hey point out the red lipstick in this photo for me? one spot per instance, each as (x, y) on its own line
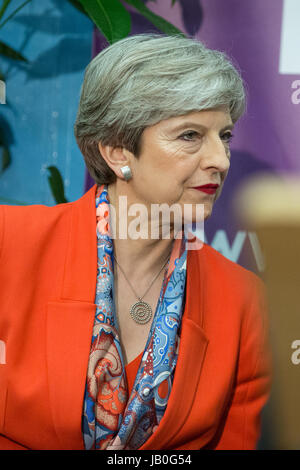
(208, 188)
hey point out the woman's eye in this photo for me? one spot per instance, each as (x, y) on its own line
(188, 136)
(227, 137)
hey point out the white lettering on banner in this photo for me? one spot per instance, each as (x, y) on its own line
(257, 252)
(295, 357)
(221, 243)
(2, 92)
(289, 62)
(296, 94)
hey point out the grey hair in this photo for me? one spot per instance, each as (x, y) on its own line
(146, 78)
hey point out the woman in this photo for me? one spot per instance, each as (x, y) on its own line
(135, 342)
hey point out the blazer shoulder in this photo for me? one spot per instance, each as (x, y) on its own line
(30, 226)
(39, 223)
(229, 270)
(31, 216)
(41, 214)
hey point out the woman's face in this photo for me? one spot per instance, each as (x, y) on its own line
(179, 154)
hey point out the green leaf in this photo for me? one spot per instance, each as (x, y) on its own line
(5, 159)
(173, 2)
(56, 185)
(110, 16)
(5, 4)
(77, 4)
(12, 201)
(162, 24)
(10, 52)
(14, 12)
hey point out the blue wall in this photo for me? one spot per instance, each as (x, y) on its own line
(42, 99)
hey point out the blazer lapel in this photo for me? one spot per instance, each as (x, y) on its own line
(70, 321)
(69, 333)
(192, 351)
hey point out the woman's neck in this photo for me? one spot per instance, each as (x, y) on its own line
(141, 257)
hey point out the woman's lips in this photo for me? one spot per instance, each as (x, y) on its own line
(207, 189)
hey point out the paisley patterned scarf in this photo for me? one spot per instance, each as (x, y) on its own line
(111, 419)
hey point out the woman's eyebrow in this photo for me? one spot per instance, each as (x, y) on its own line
(200, 126)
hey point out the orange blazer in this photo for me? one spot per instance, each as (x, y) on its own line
(48, 266)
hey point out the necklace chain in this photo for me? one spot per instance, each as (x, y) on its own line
(140, 298)
(141, 311)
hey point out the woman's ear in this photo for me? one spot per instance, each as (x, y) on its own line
(115, 157)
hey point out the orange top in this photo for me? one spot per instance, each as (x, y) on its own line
(131, 371)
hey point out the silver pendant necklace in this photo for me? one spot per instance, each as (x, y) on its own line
(141, 311)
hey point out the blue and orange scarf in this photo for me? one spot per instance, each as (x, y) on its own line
(111, 419)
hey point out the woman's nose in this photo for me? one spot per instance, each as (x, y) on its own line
(215, 154)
